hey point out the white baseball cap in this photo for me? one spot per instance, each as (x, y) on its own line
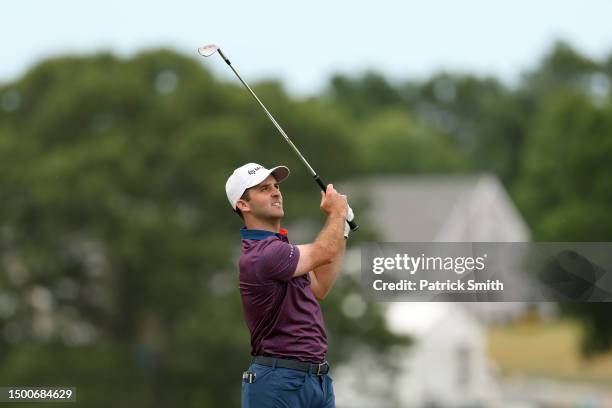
(249, 175)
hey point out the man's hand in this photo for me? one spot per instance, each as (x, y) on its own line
(334, 203)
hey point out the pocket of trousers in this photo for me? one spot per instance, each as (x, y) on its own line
(261, 371)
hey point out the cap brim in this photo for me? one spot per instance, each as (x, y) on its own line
(280, 173)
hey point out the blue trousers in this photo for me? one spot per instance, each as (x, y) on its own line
(275, 387)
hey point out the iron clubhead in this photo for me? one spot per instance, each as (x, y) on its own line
(207, 50)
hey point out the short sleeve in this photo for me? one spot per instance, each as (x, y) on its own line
(277, 261)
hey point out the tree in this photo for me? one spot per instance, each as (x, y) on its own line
(565, 188)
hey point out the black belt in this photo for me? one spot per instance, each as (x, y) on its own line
(313, 368)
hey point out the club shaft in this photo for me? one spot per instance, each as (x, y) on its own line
(280, 129)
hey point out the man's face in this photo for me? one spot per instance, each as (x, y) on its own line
(265, 200)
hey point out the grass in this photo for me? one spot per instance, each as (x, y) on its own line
(546, 350)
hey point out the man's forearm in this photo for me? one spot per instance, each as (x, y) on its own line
(331, 238)
(326, 274)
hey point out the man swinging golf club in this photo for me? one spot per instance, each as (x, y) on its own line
(280, 286)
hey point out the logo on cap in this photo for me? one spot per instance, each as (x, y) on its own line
(253, 171)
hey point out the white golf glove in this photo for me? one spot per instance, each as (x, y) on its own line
(349, 217)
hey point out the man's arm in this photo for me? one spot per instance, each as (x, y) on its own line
(322, 279)
(329, 244)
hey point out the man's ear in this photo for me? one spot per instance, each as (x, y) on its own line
(243, 206)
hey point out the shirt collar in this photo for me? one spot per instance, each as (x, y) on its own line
(261, 234)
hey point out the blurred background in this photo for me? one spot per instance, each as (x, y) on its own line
(469, 121)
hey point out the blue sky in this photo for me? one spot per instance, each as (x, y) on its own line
(304, 43)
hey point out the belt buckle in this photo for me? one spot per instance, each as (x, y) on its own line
(319, 367)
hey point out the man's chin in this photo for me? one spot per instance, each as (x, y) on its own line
(277, 212)
(273, 215)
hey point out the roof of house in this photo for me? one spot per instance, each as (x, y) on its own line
(417, 208)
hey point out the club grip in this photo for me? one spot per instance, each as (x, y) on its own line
(320, 183)
(352, 224)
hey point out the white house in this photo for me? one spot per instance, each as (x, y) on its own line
(447, 366)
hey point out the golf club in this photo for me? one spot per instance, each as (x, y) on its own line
(207, 51)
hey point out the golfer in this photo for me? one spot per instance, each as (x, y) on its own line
(281, 285)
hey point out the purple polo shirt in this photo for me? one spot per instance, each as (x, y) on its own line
(281, 312)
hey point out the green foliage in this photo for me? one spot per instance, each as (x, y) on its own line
(391, 140)
(481, 120)
(361, 96)
(565, 68)
(565, 183)
(567, 156)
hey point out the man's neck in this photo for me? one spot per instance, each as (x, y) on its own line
(273, 226)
